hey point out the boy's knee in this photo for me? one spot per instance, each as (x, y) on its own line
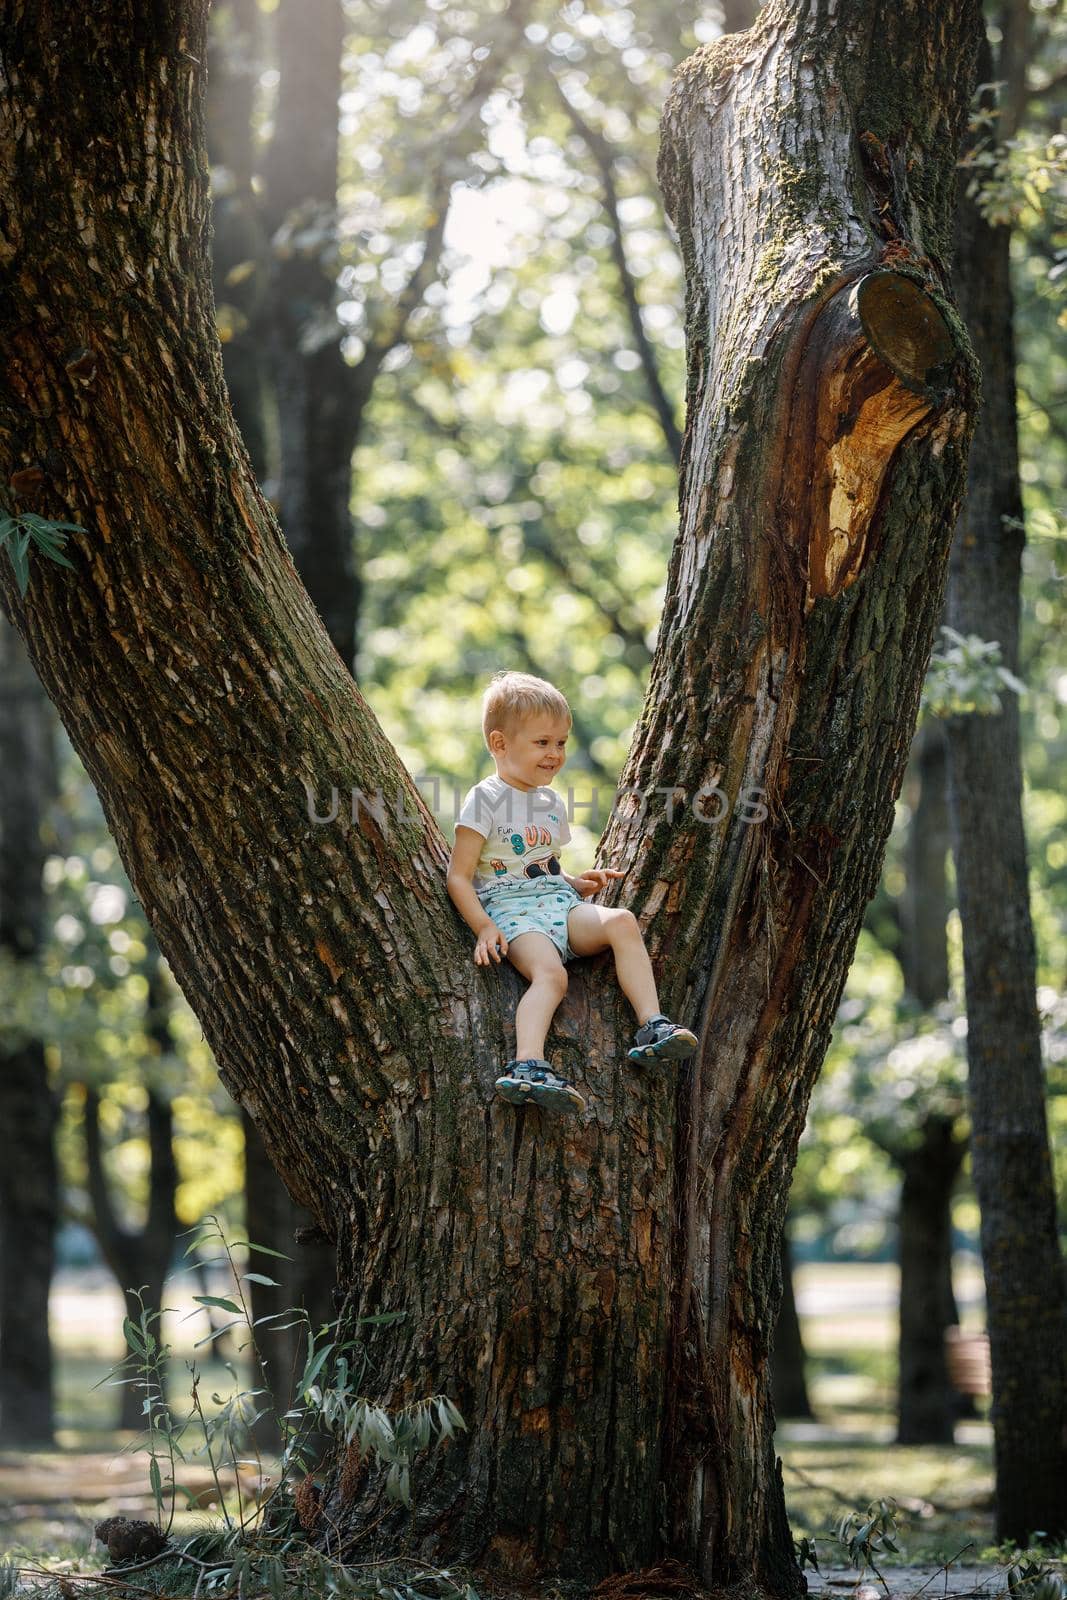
(625, 925)
(554, 978)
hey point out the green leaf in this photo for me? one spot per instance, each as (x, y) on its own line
(17, 552)
(258, 1277)
(157, 1485)
(263, 1249)
(216, 1300)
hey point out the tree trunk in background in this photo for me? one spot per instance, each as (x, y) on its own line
(240, 250)
(306, 1277)
(599, 1296)
(927, 1404)
(139, 1258)
(317, 419)
(927, 1401)
(738, 14)
(29, 1184)
(789, 1388)
(924, 914)
(1026, 1302)
(239, 242)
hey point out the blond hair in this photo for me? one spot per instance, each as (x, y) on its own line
(513, 696)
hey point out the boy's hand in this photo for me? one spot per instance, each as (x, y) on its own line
(594, 880)
(491, 945)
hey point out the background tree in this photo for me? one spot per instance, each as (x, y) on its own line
(1026, 1292)
(29, 1191)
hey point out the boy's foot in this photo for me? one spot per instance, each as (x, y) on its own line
(533, 1080)
(660, 1039)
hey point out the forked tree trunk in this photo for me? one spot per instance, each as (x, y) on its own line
(598, 1298)
(1026, 1294)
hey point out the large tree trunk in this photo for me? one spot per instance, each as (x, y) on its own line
(598, 1298)
(1026, 1301)
(29, 1182)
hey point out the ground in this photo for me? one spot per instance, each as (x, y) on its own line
(50, 1501)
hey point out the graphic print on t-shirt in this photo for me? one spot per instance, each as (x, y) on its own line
(524, 831)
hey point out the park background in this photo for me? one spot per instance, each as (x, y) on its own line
(507, 337)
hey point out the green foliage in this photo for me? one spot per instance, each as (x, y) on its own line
(1031, 1578)
(329, 1391)
(863, 1535)
(807, 1554)
(966, 676)
(26, 529)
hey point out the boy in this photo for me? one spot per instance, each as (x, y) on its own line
(505, 880)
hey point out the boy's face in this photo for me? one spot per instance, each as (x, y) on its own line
(533, 752)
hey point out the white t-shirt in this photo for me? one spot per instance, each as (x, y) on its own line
(524, 831)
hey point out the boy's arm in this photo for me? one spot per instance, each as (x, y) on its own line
(592, 880)
(460, 885)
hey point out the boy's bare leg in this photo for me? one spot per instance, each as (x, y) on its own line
(537, 959)
(591, 929)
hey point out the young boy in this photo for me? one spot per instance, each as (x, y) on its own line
(505, 879)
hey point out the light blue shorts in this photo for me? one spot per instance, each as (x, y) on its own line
(539, 906)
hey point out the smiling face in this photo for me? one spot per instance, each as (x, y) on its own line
(530, 755)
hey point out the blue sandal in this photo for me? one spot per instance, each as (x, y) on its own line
(660, 1039)
(534, 1080)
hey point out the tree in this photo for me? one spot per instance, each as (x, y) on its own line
(29, 1183)
(1026, 1291)
(597, 1299)
(140, 1258)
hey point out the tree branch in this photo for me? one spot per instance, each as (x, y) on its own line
(604, 157)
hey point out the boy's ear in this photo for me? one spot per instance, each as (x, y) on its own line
(497, 742)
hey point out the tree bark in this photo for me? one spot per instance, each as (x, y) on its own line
(1026, 1298)
(29, 1181)
(598, 1298)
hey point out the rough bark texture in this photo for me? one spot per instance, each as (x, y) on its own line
(927, 1402)
(1026, 1301)
(598, 1298)
(29, 1191)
